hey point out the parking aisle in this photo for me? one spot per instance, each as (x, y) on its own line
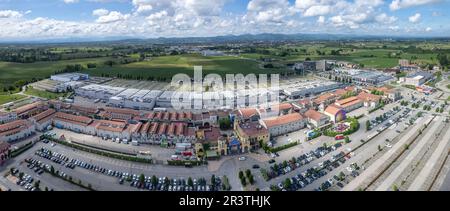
(375, 167)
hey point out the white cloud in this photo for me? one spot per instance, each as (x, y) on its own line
(100, 12)
(401, 4)
(415, 18)
(111, 17)
(71, 1)
(317, 10)
(428, 29)
(321, 19)
(10, 14)
(268, 11)
(385, 19)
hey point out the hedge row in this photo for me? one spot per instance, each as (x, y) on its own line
(281, 148)
(103, 153)
(22, 149)
(185, 162)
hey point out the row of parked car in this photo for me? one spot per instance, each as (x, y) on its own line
(55, 157)
(149, 183)
(312, 174)
(304, 159)
(25, 181)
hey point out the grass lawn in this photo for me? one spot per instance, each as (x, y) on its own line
(43, 94)
(10, 98)
(11, 72)
(167, 66)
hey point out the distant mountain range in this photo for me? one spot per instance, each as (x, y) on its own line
(228, 38)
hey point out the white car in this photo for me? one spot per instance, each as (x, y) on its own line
(242, 158)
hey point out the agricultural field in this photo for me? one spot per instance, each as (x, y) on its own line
(11, 72)
(43, 94)
(165, 67)
(10, 98)
(161, 64)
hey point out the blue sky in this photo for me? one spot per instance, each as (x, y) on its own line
(44, 19)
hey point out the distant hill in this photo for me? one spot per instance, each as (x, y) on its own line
(227, 38)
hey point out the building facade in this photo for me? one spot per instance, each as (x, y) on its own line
(284, 124)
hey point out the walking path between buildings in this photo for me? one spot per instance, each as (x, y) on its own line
(376, 166)
(426, 171)
(424, 141)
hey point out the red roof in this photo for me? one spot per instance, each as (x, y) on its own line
(162, 129)
(368, 97)
(282, 120)
(154, 128)
(333, 110)
(81, 120)
(44, 115)
(28, 107)
(313, 114)
(14, 127)
(252, 129)
(113, 126)
(247, 113)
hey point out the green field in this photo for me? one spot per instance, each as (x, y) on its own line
(11, 72)
(43, 94)
(10, 98)
(167, 66)
(157, 67)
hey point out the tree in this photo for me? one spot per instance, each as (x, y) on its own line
(213, 179)
(248, 173)
(443, 59)
(347, 140)
(243, 182)
(225, 123)
(285, 164)
(241, 174)
(154, 180)
(251, 180)
(37, 183)
(190, 182)
(142, 178)
(287, 183)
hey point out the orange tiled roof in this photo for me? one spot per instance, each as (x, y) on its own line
(282, 120)
(313, 114)
(248, 112)
(333, 109)
(81, 120)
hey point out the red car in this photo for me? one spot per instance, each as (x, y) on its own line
(339, 137)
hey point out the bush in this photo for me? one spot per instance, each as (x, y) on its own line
(281, 148)
(185, 162)
(354, 126)
(103, 153)
(22, 149)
